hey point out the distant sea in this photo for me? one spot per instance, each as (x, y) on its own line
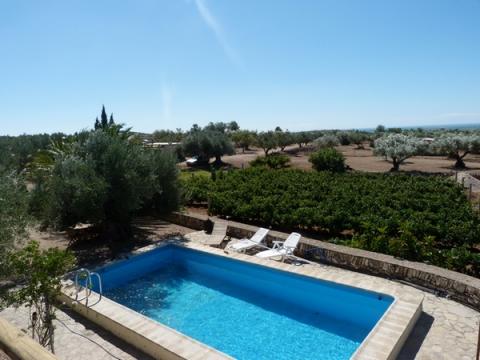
(433, 127)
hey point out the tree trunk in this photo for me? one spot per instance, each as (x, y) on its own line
(460, 164)
(396, 165)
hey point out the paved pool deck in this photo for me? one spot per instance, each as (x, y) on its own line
(445, 329)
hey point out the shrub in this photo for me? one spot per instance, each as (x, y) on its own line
(344, 138)
(39, 272)
(273, 161)
(420, 218)
(328, 159)
(195, 187)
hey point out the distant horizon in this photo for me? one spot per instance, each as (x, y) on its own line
(464, 126)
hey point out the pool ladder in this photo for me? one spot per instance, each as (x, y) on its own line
(87, 275)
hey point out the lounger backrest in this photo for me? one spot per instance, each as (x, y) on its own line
(219, 228)
(259, 235)
(292, 240)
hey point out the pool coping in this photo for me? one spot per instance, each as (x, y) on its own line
(160, 341)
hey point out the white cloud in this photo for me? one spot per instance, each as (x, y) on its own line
(214, 25)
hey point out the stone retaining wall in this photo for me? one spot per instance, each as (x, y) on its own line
(462, 288)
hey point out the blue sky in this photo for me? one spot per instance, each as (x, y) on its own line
(299, 64)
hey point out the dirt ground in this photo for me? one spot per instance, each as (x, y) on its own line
(147, 230)
(361, 160)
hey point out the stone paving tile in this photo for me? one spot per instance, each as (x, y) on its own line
(3, 356)
(446, 330)
(89, 342)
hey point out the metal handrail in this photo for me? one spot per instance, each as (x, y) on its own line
(88, 284)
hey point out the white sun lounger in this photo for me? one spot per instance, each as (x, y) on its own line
(281, 249)
(244, 244)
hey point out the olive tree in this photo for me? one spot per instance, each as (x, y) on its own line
(327, 141)
(304, 137)
(104, 181)
(206, 144)
(243, 139)
(266, 141)
(284, 139)
(397, 148)
(457, 146)
(358, 138)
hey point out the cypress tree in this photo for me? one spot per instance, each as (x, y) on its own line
(104, 118)
(111, 122)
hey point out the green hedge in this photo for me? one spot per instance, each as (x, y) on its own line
(422, 218)
(195, 187)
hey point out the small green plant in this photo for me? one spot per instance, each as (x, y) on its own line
(328, 159)
(273, 161)
(38, 272)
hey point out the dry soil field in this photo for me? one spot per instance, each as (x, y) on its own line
(364, 160)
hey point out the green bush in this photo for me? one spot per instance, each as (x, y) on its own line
(328, 159)
(195, 187)
(272, 161)
(420, 218)
(40, 274)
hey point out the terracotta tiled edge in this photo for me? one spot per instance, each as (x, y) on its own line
(159, 341)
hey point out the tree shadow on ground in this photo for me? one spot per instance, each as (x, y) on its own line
(416, 338)
(93, 250)
(105, 335)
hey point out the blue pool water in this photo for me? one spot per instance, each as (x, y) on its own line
(244, 310)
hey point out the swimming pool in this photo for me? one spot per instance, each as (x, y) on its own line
(245, 310)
